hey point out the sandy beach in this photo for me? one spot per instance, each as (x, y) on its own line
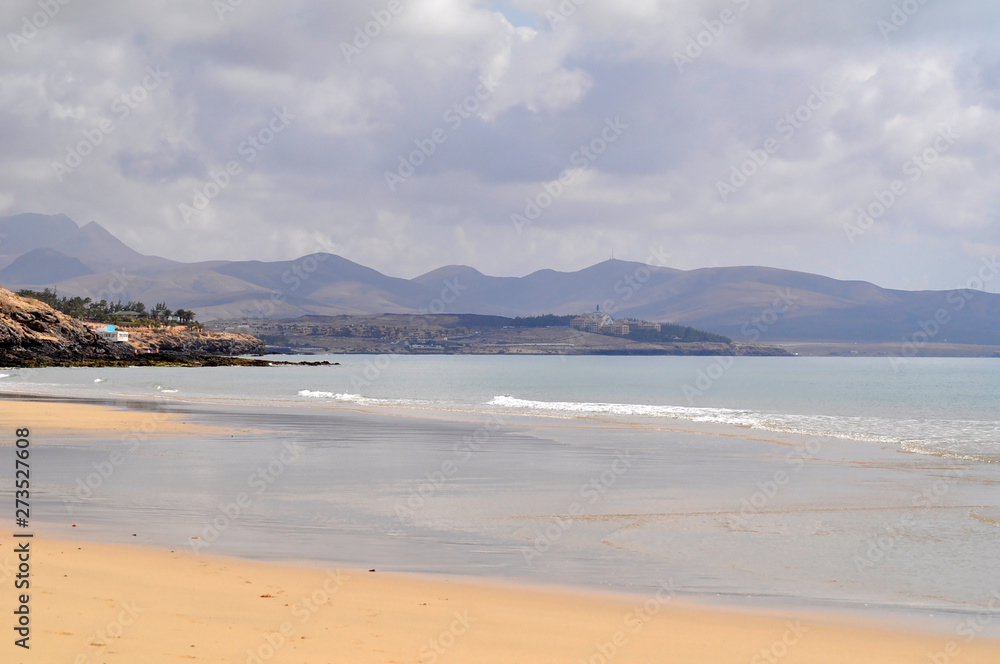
(104, 603)
(57, 417)
(92, 601)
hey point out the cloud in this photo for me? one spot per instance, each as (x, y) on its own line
(369, 83)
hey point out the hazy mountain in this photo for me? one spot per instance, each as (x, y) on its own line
(24, 232)
(43, 267)
(103, 252)
(331, 279)
(745, 303)
(93, 245)
(546, 291)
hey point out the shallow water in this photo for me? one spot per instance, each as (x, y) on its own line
(937, 406)
(778, 518)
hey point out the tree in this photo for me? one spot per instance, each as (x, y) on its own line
(49, 297)
(161, 312)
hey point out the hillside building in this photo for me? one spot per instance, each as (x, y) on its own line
(592, 322)
(112, 333)
(600, 322)
(642, 325)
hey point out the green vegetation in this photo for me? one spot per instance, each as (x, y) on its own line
(545, 320)
(679, 333)
(156, 361)
(668, 332)
(110, 312)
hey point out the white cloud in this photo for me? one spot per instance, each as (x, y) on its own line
(324, 177)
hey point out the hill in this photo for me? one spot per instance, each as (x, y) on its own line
(32, 334)
(749, 304)
(43, 266)
(473, 334)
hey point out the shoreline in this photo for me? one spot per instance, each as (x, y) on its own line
(190, 422)
(103, 602)
(888, 617)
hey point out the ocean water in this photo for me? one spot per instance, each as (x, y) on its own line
(945, 407)
(837, 481)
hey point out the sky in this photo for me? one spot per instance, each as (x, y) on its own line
(858, 139)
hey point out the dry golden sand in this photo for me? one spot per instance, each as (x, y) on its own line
(60, 418)
(114, 603)
(93, 603)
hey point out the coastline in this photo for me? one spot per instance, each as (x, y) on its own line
(196, 425)
(63, 416)
(99, 602)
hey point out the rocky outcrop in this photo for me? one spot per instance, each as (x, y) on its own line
(189, 341)
(32, 332)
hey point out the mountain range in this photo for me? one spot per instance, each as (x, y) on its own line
(745, 303)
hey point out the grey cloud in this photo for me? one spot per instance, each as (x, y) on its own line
(325, 175)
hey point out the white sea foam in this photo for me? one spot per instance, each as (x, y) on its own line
(330, 395)
(967, 439)
(98, 380)
(359, 399)
(3, 375)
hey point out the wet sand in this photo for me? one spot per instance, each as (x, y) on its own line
(114, 603)
(60, 417)
(669, 514)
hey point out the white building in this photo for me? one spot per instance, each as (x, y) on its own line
(592, 322)
(600, 322)
(111, 333)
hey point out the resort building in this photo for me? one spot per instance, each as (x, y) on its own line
(641, 325)
(111, 333)
(600, 322)
(592, 322)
